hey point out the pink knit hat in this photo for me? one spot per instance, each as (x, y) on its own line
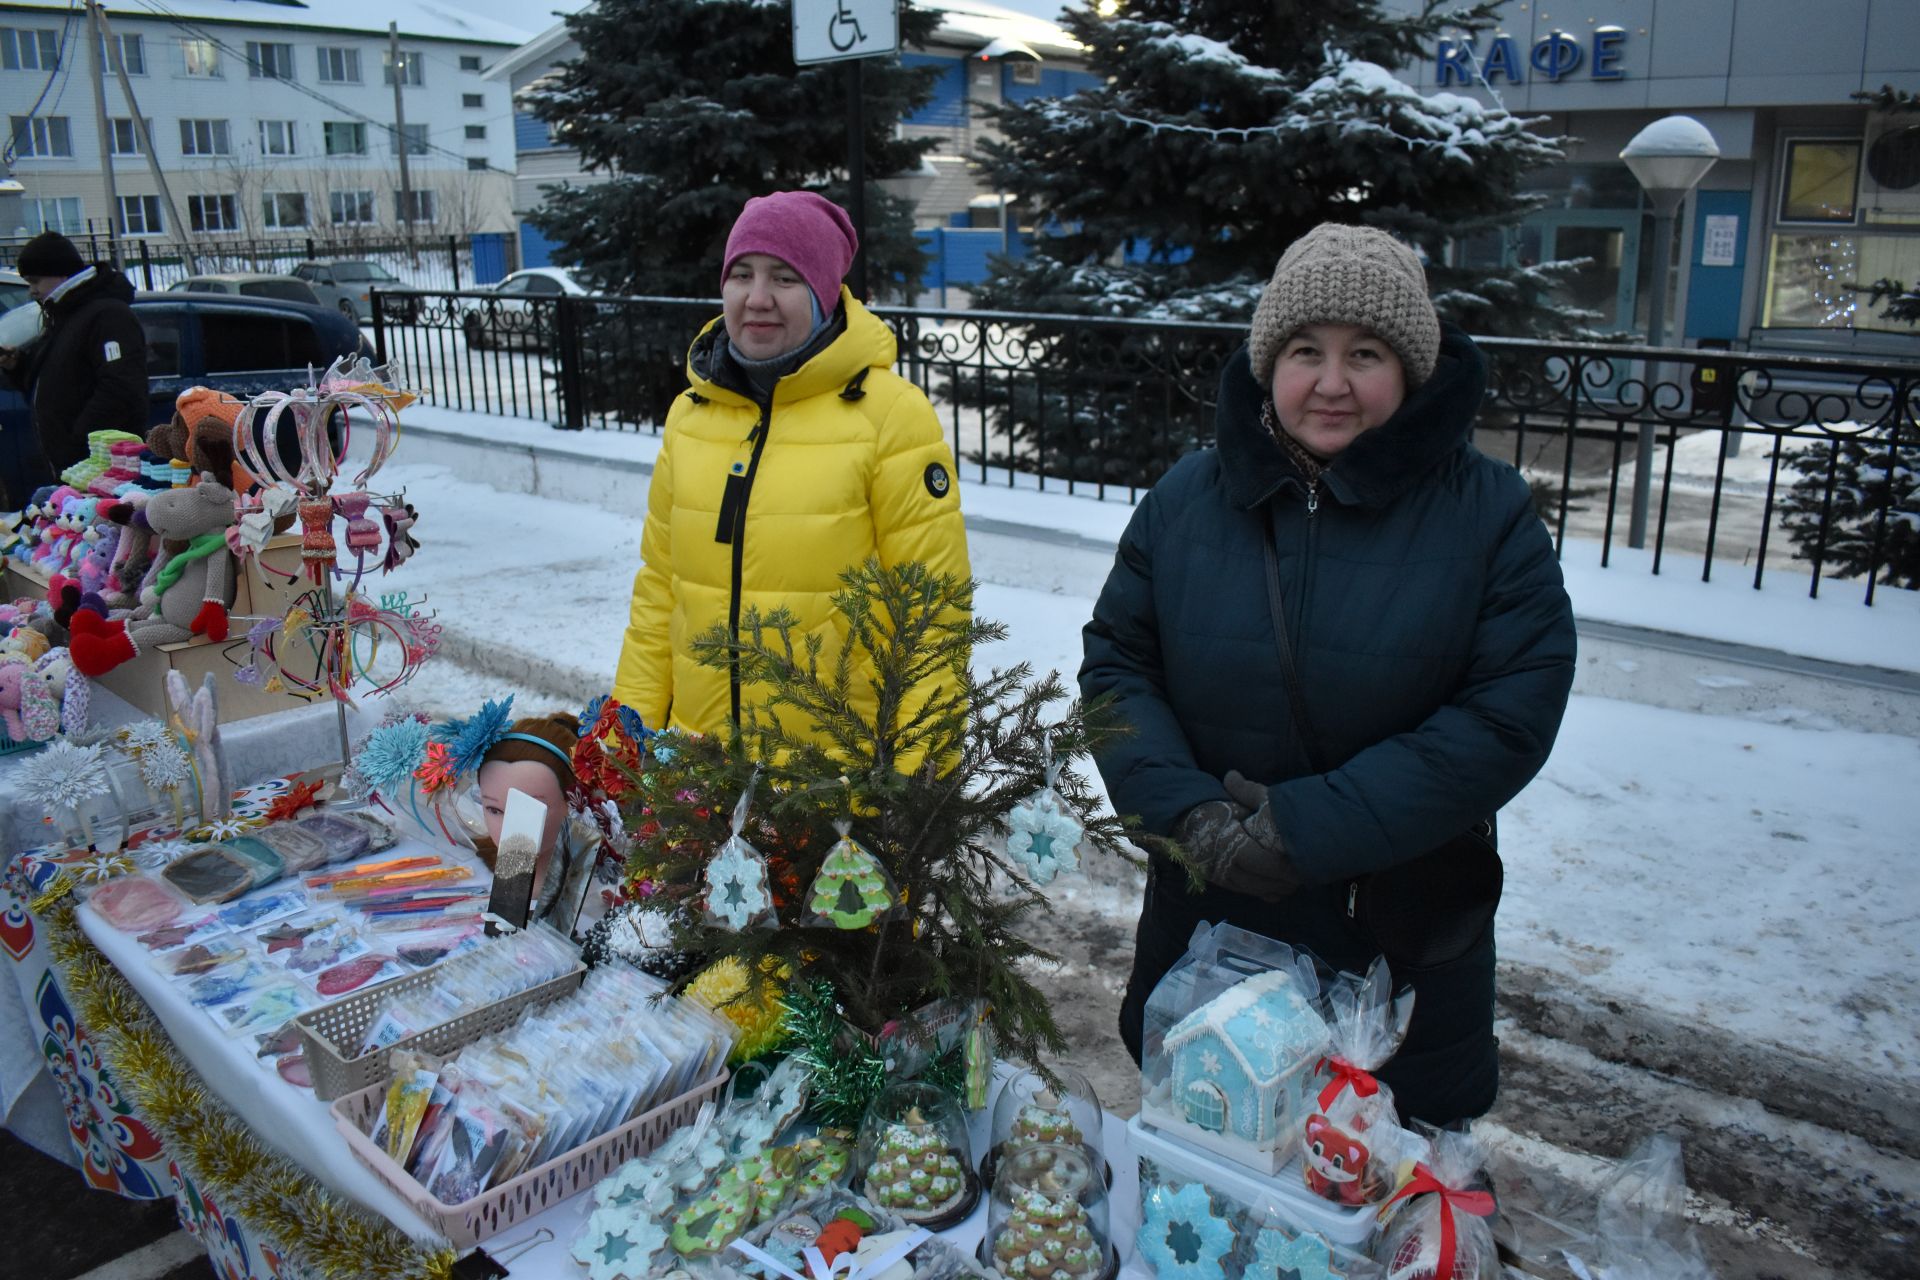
(808, 232)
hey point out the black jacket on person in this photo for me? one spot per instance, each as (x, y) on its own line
(88, 371)
(1435, 648)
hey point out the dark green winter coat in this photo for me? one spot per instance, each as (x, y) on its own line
(1435, 647)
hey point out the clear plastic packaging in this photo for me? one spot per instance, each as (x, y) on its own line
(1444, 1230)
(1048, 1218)
(1029, 1112)
(1351, 1137)
(1231, 1035)
(1043, 835)
(914, 1156)
(852, 890)
(136, 904)
(212, 873)
(738, 896)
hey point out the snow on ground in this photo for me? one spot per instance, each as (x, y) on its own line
(1722, 870)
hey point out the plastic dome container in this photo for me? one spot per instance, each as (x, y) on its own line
(1048, 1218)
(1029, 1112)
(914, 1158)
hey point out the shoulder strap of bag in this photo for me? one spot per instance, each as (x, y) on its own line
(1276, 605)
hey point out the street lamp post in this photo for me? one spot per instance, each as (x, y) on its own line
(1669, 157)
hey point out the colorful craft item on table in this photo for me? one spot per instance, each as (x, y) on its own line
(98, 868)
(1042, 833)
(297, 850)
(294, 1070)
(328, 878)
(288, 936)
(135, 904)
(714, 1220)
(1279, 1256)
(210, 874)
(354, 974)
(289, 805)
(277, 1043)
(224, 986)
(618, 1245)
(171, 937)
(1234, 1056)
(364, 886)
(468, 740)
(202, 958)
(852, 890)
(255, 910)
(269, 1006)
(1180, 1237)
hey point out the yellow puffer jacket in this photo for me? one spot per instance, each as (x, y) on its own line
(759, 508)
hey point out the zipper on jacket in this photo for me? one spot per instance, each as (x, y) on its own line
(736, 496)
(1306, 572)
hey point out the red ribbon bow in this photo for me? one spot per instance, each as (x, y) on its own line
(1478, 1203)
(1345, 1076)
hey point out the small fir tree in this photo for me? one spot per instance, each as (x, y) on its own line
(1855, 507)
(926, 781)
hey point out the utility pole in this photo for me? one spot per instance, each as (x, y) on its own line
(142, 132)
(106, 132)
(407, 209)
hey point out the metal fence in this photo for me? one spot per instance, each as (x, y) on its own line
(425, 262)
(1715, 457)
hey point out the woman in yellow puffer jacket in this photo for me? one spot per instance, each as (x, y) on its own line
(795, 454)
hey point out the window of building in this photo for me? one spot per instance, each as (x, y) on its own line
(126, 136)
(1023, 71)
(473, 101)
(205, 138)
(283, 210)
(55, 213)
(1207, 1106)
(423, 207)
(199, 57)
(1810, 275)
(412, 68)
(133, 53)
(477, 163)
(213, 213)
(42, 137)
(277, 138)
(469, 62)
(415, 136)
(140, 216)
(339, 66)
(29, 48)
(1819, 180)
(269, 61)
(476, 132)
(345, 137)
(350, 208)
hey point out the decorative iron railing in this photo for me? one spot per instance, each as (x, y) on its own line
(1718, 455)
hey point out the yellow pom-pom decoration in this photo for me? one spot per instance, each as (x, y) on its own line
(724, 989)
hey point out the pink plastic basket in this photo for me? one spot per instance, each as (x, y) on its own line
(533, 1192)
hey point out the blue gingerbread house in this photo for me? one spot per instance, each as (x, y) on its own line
(1237, 1058)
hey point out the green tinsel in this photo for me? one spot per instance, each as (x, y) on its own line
(847, 1072)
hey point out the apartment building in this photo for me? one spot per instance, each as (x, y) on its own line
(268, 119)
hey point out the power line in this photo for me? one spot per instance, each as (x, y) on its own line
(179, 21)
(59, 65)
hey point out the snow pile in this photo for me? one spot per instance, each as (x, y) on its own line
(1197, 48)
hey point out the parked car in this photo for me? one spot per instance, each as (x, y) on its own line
(13, 289)
(520, 312)
(250, 284)
(348, 284)
(237, 344)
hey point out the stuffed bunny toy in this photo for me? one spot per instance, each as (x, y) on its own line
(196, 715)
(27, 710)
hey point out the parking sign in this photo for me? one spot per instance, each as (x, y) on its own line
(836, 30)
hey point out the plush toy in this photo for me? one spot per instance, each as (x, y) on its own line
(196, 717)
(200, 434)
(27, 710)
(68, 688)
(189, 592)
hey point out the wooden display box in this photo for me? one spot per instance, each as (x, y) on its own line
(142, 681)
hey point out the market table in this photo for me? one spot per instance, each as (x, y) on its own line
(301, 1127)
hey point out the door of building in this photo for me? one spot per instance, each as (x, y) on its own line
(1610, 287)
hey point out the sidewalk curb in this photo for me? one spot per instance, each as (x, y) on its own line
(1828, 1093)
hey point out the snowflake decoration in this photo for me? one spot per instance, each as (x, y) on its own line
(154, 854)
(102, 867)
(1042, 836)
(164, 766)
(618, 1245)
(1210, 1062)
(146, 734)
(1180, 1236)
(1276, 1256)
(64, 776)
(737, 885)
(226, 828)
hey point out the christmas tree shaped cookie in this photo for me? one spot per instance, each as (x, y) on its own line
(852, 890)
(914, 1172)
(1036, 1125)
(1046, 1239)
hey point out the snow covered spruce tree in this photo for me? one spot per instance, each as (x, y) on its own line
(1855, 506)
(1222, 132)
(690, 107)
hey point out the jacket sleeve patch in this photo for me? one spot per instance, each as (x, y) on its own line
(111, 352)
(938, 482)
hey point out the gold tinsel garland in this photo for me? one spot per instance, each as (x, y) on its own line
(214, 1147)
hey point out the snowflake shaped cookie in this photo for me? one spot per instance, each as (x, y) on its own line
(1042, 835)
(737, 885)
(1277, 1256)
(1181, 1237)
(618, 1244)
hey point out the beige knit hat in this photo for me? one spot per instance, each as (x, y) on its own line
(1348, 275)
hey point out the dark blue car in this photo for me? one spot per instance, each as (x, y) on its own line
(242, 346)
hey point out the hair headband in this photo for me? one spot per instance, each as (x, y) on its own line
(527, 737)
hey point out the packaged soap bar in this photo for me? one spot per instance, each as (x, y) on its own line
(136, 904)
(211, 874)
(299, 849)
(251, 849)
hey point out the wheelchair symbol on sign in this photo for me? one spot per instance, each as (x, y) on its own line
(843, 29)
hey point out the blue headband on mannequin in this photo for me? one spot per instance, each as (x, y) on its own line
(527, 737)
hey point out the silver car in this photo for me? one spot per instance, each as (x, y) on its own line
(250, 284)
(348, 284)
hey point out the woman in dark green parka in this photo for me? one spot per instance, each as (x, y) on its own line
(1431, 636)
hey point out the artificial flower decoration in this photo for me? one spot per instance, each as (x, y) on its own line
(290, 804)
(139, 736)
(389, 755)
(469, 740)
(164, 766)
(227, 828)
(436, 771)
(64, 776)
(1180, 1236)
